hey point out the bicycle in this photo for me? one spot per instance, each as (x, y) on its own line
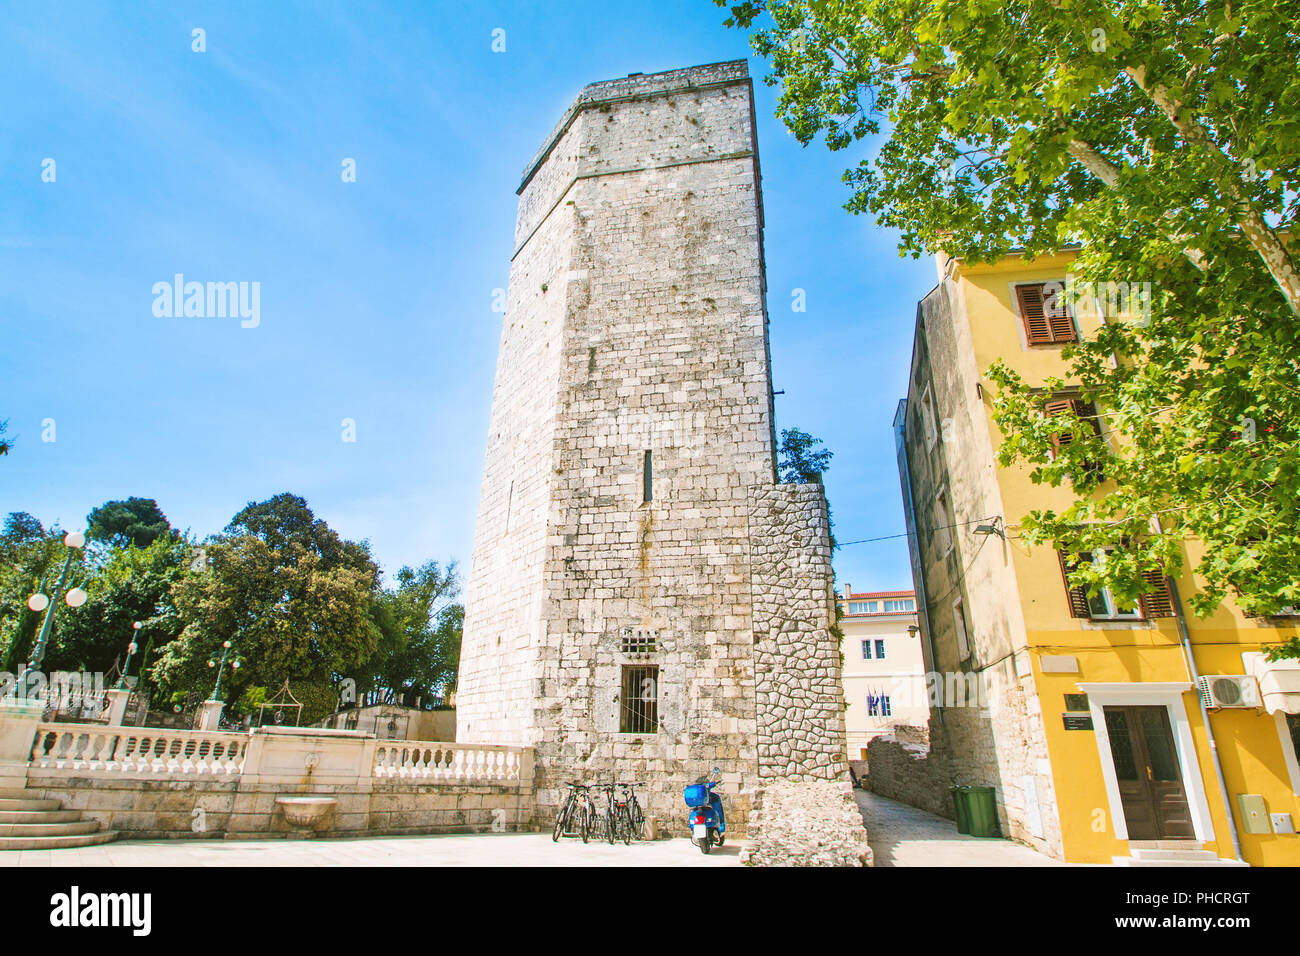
(576, 809)
(635, 818)
(618, 824)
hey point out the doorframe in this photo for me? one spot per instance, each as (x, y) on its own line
(1168, 695)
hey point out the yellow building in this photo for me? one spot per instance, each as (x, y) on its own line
(1092, 730)
(884, 671)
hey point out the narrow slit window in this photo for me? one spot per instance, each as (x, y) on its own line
(510, 500)
(647, 479)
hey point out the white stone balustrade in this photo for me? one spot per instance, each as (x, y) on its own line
(169, 753)
(464, 763)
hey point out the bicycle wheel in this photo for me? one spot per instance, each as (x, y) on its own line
(625, 827)
(559, 826)
(611, 826)
(583, 827)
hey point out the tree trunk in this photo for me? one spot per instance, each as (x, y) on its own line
(1258, 233)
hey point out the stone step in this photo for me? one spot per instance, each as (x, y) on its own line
(1129, 861)
(49, 828)
(39, 816)
(27, 803)
(15, 793)
(56, 842)
(1189, 855)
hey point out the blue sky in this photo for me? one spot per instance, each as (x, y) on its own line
(375, 295)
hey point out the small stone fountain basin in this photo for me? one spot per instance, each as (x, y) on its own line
(306, 812)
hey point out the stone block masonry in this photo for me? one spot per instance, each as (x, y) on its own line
(625, 585)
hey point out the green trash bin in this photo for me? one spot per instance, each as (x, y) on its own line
(961, 804)
(982, 812)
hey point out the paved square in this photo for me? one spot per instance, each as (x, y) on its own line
(475, 849)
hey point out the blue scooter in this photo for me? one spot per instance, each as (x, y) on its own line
(707, 821)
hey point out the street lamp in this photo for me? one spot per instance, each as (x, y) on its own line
(130, 652)
(75, 597)
(234, 665)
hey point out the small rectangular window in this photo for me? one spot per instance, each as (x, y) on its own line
(878, 705)
(647, 479)
(943, 523)
(959, 625)
(866, 650)
(640, 700)
(880, 650)
(1045, 313)
(929, 421)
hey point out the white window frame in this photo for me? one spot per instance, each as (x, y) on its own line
(929, 419)
(1288, 751)
(1112, 608)
(947, 540)
(962, 629)
(880, 648)
(866, 649)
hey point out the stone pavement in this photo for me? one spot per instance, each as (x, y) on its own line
(476, 849)
(900, 835)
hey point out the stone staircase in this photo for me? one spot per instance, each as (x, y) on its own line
(31, 823)
(1171, 853)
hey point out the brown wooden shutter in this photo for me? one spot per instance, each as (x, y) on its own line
(1077, 596)
(1046, 317)
(1058, 315)
(1038, 330)
(1052, 410)
(1087, 413)
(1160, 603)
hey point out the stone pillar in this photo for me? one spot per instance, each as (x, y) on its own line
(18, 720)
(210, 714)
(117, 700)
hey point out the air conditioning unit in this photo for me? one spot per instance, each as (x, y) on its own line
(1229, 690)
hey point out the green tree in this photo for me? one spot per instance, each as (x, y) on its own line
(800, 461)
(292, 597)
(137, 521)
(29, 563)
(418, 653)
(1162, 138)
(128, 584)
(21, 527)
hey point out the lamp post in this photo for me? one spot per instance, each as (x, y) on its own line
(234, 665)
(130, 652)
(75, 597)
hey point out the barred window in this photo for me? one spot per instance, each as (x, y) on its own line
(639, 713)
(639, 640)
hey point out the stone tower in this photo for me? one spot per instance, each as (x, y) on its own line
(645, 602)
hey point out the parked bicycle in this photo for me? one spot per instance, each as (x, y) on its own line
(635, 818)
(577, 815)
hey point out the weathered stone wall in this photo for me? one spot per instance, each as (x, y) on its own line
(911, 774)
(799, 692)
(214, 808)
(803, 813)
(807, 823)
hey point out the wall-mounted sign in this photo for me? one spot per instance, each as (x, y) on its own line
(1077, 721)
(1076, 703)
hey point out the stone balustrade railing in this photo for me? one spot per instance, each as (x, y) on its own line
(138, 750)
(467, 763)
(75, 748)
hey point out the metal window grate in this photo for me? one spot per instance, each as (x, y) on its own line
(640, 700)
(639, 640)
